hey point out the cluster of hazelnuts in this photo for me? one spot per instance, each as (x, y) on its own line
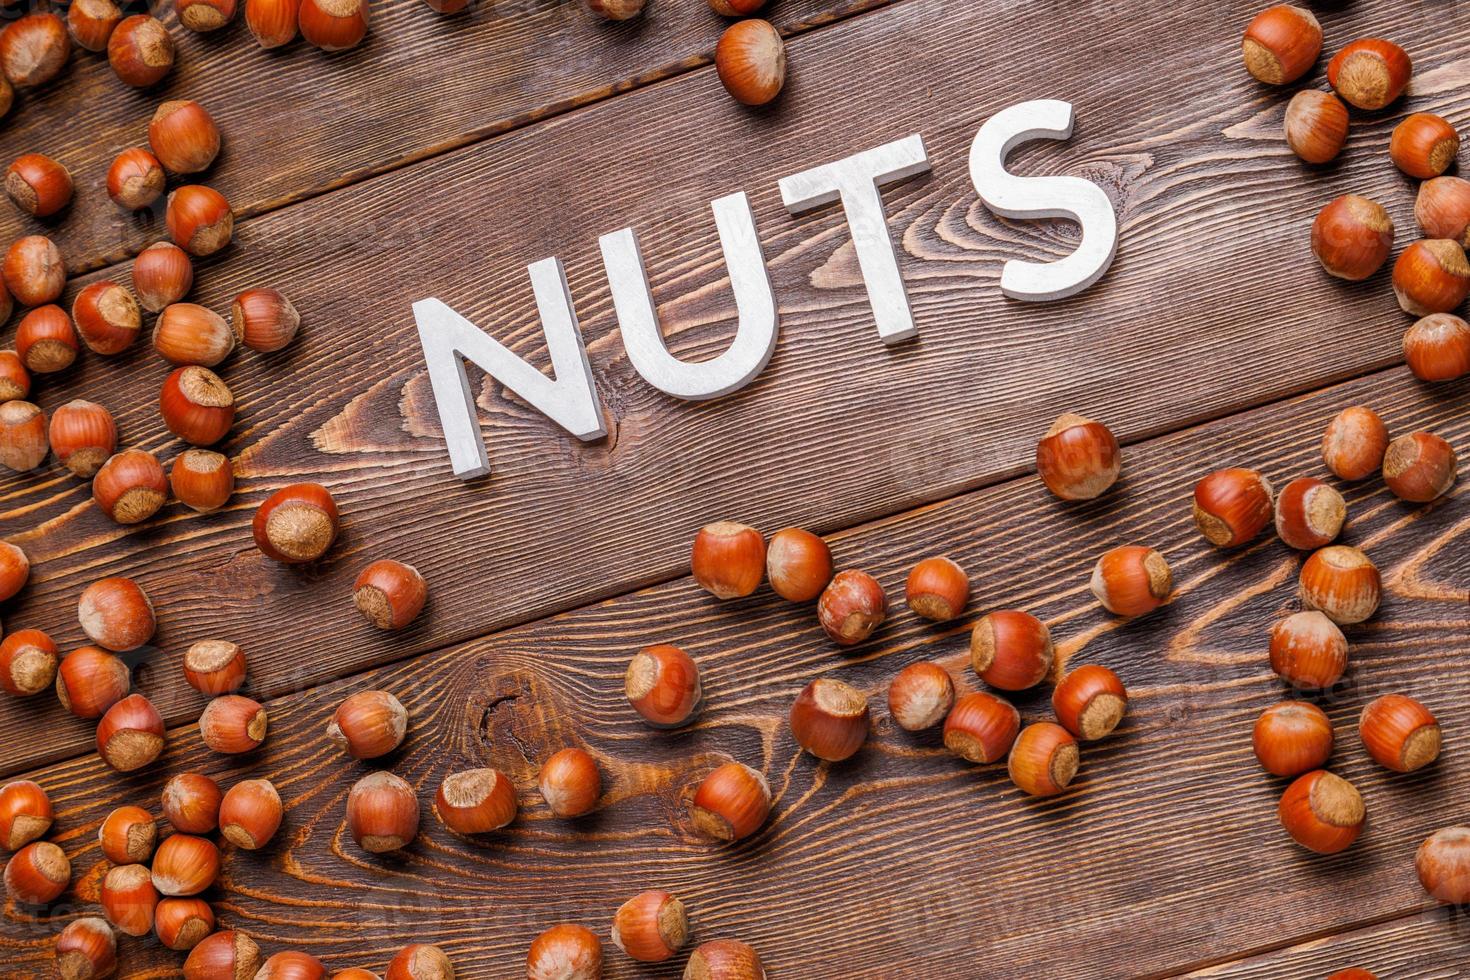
(35, 48)
(195, 403)
(1010, 650)
(1352, 235)
(750, 57)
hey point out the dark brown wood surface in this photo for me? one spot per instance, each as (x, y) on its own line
(1215, 304)
(1165, 857)
(903, 861)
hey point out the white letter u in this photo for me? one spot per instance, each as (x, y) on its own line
(755, 338)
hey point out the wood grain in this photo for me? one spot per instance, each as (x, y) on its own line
(1189, 324)
(297, 121)
(1429, 945)
(903, 862)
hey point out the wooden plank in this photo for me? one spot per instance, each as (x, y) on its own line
(1427, 946)
(297, 121)
(903, 862)
(839, 429)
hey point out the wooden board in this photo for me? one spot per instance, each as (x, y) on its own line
(838, 429)
(902, 862)
(297, 121)
(1429, 945)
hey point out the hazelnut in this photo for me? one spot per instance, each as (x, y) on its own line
(1424, 145)
(1354, 443)
(830, 719)
(1281, 44)
(565, 952)
(1090, 701)
(129, 899)
(1043, 759)
(1316, 125)
(851, 607)
(1399, 733)
(937, 589)
(273, 22)
(264, 319)
(34, 271)
(86, 950)
(130, 735)
(1309, 514)
(1341, 582)
(1322, 812)
(182, 923)
(34, 49)
(1419, 467)
(476, 801)
(116, 614)
(189, 334)
(46, 341)
(182, 132)
(1437, 347)
(224, 955)
(199, 219)
(390, 594)
(382, 813)
(1370, 73)
(1292, 737)
(15, 569)
(798, 564)
(90, 680)
(130, 487)
(92, 22)
(250, 813)
(215, 667)
(1308, 650)
(38, 185)
(202, 480)
(724, 959)
(662, 685)
(1443, 209)
(23, 444)
(333, 25)
(368, 725)
(296, 524)
(419, 962)
(1351, 237)
(37, 874)
(196, 405)
(25, 813)
(1132, 580)
(731, 803)
(206, 15)
(571, 783)
(650, 927)
(141, 51)
(127, 835)
(728, 559)
(191, 803)
(1431, 276)
(981, 728)
(292, 965)
(920, 696)
(1011, 650)
(185, 865)
(136, 178)
(15, 380)
(27, 663)
(616, 9)
(107, 317)
(162, 275)
(233, 724)
(1078, 459)
(1443, 864)
(750, 59)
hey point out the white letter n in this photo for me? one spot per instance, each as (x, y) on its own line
(569, 399)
